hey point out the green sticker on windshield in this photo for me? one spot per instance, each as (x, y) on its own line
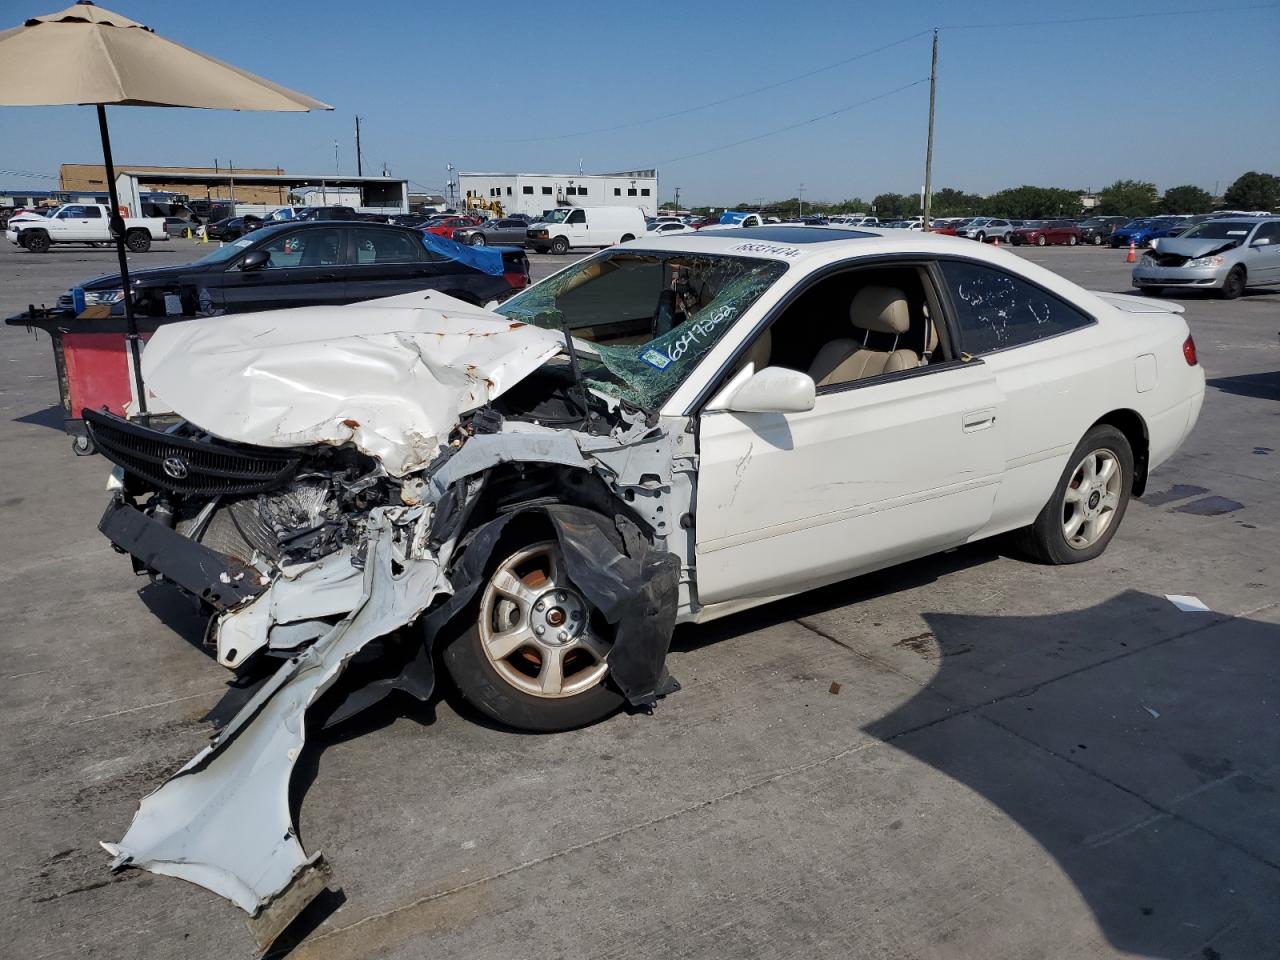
(653, 358)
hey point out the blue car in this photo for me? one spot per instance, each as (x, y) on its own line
(1142, 232)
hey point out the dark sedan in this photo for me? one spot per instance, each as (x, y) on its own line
(307, 264)
(508, 230)
(233, 228)
(1098, 230)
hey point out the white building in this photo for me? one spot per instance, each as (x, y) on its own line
(532, 193)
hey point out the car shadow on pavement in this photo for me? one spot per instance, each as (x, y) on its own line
(1136, 744)
(52, 417)
(1262, 386)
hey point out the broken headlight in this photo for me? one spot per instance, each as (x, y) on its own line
(1204, 262)
(103, 296)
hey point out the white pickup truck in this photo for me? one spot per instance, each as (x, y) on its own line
(83, 223)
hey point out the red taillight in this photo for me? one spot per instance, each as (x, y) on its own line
(1189, 350)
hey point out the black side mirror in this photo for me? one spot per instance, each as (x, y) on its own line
(255, 260)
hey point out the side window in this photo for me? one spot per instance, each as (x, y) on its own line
(996, 310)
(92, 213)
(1269, 231)
(304, 248)
(385, 246)
(577, 216)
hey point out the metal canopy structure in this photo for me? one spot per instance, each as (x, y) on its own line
(381, 192)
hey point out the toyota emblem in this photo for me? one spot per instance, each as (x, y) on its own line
(175, 467)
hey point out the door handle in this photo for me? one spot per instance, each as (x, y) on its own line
(974, 420)
(328, 276)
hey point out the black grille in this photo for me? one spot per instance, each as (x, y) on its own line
(1169, 259)
(194, 467)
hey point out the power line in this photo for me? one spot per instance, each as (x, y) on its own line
(723, 100)
(1123, 16)
(802, 123)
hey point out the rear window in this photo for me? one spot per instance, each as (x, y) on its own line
(996, 310)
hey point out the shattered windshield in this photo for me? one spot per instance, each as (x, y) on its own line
(650, 316)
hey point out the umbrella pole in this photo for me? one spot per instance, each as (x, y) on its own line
(132, 340)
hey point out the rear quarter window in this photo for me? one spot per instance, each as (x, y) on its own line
(996, 310)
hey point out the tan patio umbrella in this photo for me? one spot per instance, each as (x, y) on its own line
(89, 55)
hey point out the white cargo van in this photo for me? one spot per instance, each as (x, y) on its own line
(565, 228)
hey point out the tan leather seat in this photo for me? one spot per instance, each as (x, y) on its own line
(758, 354)
(873, 310)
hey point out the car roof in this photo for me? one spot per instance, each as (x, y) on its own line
(812, 245)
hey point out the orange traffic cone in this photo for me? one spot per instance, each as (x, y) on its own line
(1133, 254)
(996, 241)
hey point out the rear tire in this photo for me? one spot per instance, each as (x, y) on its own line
(509, 673)
(138, 241)
(1087, 505)
(1235, 283)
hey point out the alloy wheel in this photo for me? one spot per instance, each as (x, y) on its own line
(1091, 498)
(537, 630)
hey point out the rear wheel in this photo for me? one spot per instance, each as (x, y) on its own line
(560, 246)
(1089, 502)
(138, 241)
(1235, 283)
(536, 656)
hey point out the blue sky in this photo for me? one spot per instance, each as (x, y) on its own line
(1173, 99)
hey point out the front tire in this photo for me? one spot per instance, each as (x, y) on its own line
(1097, 239)
(1041, 241)
(477, 240)
(36, 242)
(1072, 241)
(535, 657)
(1088, 503)
(560, 246)
(1235, 283)
(980, 237)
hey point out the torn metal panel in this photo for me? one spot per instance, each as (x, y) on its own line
(303, 593)
(395, 389)
(223, 821)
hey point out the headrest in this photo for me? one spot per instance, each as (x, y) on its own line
(880, 310)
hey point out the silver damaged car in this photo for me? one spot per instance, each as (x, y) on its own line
(1225, 255)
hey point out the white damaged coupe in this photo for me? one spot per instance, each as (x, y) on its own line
(671, 430)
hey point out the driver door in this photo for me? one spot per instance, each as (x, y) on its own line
(576, 228)
(306, 269)
(880, 470)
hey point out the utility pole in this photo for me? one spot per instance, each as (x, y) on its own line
(359, 155)
(677, 198)
(336, 168)
(928, 156)
(801, 200)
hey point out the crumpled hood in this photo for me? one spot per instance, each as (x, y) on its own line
(1196, 247)
(391, 376)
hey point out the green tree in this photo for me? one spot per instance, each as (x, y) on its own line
(949, 202)
(668, 205)
(887, 206)
(1032, 203)
(1253, 191)
(1186, 199)
(1127, 198)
